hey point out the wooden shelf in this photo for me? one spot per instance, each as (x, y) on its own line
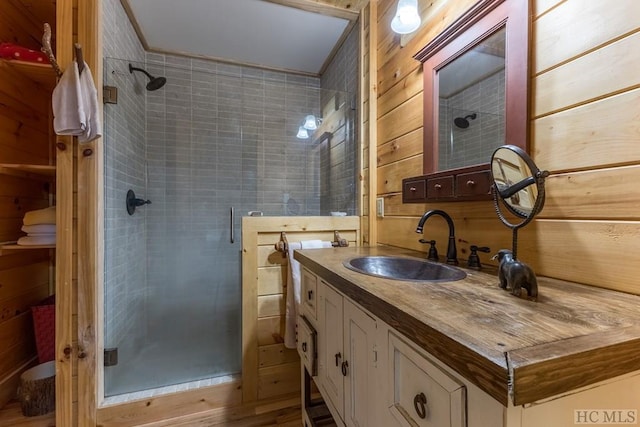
(12, 246)
(39, 73)
(28, 171)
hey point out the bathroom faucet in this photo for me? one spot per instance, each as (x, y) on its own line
(452, 253)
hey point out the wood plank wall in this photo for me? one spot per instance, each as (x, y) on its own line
(269, 369)
(25, 137)
(585, 114)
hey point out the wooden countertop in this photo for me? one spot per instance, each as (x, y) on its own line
(516, 350)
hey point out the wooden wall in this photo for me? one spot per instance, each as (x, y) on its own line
(269, 369)
(25, 138)
(585, 115)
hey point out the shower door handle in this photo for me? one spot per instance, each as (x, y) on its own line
(231, 224)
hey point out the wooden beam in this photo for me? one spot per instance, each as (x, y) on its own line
(321, 8)
(91, 239)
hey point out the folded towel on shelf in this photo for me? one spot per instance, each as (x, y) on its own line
(69, 117)
(37, 240)
(40, 216)
(293, 289)
(89, 96)
(36, 229)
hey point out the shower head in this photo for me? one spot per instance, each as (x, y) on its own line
(155, 83)
(463, 122)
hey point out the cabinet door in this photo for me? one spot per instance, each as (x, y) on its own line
(359, 366)
(332, 352)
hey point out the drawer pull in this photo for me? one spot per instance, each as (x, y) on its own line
(413, 189)
(304, 347)
(338, 356)
(471, 183)
(437, 186)
(345, 366)
(419, 403)
(310, 295)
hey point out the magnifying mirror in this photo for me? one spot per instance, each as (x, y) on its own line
(518, 185)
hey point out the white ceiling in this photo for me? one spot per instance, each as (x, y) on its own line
(254, 32)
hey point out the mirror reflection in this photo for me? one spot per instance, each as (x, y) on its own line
(514, 181)
(471, 104)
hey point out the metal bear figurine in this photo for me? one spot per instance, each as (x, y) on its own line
(515, 275)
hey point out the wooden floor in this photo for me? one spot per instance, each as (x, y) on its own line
(11, 416)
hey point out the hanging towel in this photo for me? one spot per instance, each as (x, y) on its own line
(293, 289)
(40, 216)
(36, 229)
(89, 96)
(69, 116)
(37, 240)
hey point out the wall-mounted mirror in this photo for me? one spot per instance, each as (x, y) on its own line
(476, 87)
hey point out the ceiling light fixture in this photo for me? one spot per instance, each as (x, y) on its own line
(302, 133)
(407, 18)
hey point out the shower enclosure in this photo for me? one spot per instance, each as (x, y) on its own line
(213, 143)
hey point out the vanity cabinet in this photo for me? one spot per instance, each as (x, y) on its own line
(406, 357)
(346, 341)
(469, 184)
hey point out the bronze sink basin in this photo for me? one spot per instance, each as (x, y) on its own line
(401, 268)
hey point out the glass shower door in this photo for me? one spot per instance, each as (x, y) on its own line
(172, 282)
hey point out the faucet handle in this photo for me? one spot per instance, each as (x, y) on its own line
(474, 259)
(433, 252)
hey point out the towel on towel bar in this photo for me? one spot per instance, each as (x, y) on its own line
(293, 288)
(40, 216)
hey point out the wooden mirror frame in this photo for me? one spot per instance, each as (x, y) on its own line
(484, 18)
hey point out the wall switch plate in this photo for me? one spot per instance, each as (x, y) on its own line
(380, 207)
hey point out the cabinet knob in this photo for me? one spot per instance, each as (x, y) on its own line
(413, 189)
(310, 295)
(419, 404)
(471, 183)
(338, 356)
(304, 346)
(345, 366)
(437, 186)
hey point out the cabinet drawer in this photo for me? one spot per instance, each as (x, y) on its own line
(414, 190)
(309, 294)
(307, 345)
(474, 184)
(420, 393)
(440, 188)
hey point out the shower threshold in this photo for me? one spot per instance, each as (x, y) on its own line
(175, 388)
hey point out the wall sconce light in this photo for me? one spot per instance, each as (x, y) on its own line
(311, 123)
(302, 133)
(407, 18)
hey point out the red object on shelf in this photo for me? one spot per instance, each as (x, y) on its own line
(44, 324)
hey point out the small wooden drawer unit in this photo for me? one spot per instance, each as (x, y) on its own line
(419, 393)
(466, 184)
(309, 296)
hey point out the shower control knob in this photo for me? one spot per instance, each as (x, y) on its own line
(140, 202)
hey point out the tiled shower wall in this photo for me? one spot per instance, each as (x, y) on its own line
(125, 236)
(338, 157)
(485, 133)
